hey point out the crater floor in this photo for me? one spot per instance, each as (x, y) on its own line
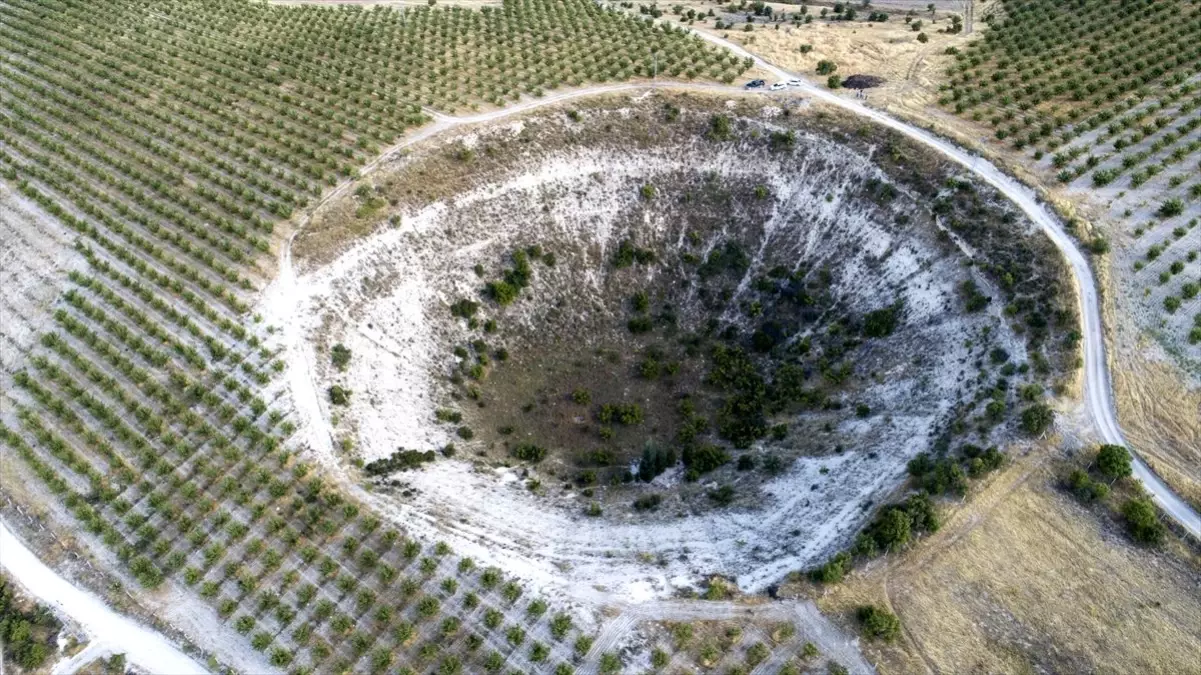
(780, 237)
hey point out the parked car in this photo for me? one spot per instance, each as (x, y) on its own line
(778, 86)
(794, 83)
(755, 84)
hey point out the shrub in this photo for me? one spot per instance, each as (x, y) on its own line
(833, 571)
(1113, 461)
(1170, 208)
(528, 452)
(723, 496)
(339, 395)
(878, 623)
(1086, 489)
(1037, 418)
(1142, 521)
(502, 292)
(719, 128)
(881, 322)
(648, 502)
(704, 458)
(834, 82)
(826, 67)
(398, 461)
(340, 356)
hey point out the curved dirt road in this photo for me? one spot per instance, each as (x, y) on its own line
(1098, 390)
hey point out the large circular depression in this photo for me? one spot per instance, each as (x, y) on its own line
(792, 293)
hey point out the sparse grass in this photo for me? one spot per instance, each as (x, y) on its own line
(1021, 567)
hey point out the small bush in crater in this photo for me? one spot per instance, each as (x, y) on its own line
(581, 396)
(340, 356)
(703, 458)
(648, 502)
(502, 292)
(720, 128)
(648, 192)
(528, 452)
(464, 308)
(626, 413)
(881, 322)
(640, 302)
(640, 324)
(447, 415)
(399, 460)
(339, 395)
(723, 496)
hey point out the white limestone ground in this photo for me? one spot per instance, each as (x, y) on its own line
(387, 297)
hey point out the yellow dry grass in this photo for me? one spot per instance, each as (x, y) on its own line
(891, 50)
(1160, 416)
(1021, 579)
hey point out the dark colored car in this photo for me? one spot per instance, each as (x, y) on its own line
(755, 84)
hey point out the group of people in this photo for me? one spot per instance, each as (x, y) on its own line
(861, 93)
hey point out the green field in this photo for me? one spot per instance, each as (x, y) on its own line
(171, 139)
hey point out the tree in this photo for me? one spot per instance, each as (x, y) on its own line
(1113, 461)
(826, 67)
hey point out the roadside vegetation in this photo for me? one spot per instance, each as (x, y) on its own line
(28, 631)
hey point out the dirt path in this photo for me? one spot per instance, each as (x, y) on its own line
(110, 632)
(1098, 389)
(810, 623)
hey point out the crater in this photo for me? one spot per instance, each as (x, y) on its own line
(650, 340)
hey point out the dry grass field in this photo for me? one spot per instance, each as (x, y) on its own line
(1022, 579)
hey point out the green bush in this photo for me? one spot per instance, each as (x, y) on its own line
(878, 623)
(1142, 521)
(1037, 418)
(340, 356)
(1113, 461)
(339, 395)
(528, 452)
(1085, 488)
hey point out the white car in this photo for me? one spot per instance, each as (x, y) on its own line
(794, 83)
(778, 86)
